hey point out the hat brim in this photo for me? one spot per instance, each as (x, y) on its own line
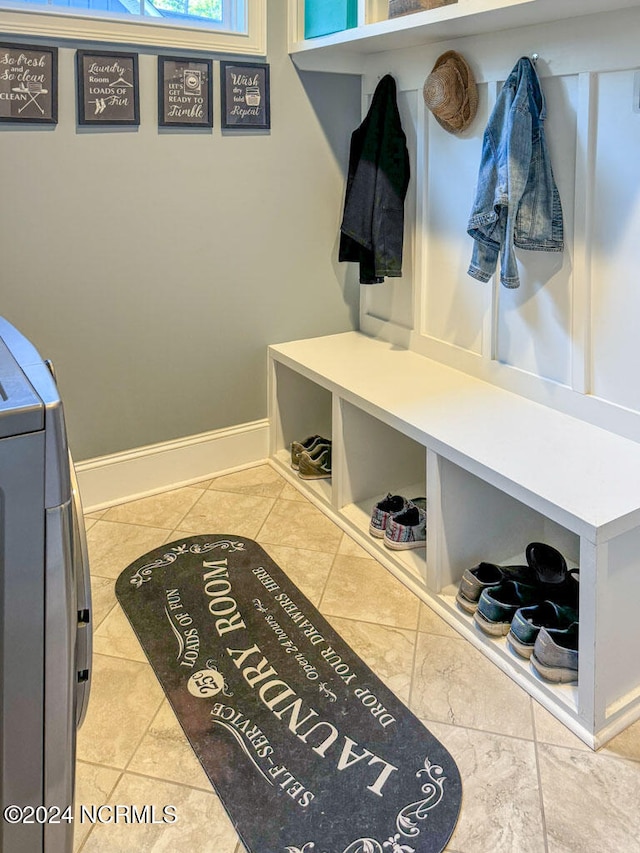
(470, 108)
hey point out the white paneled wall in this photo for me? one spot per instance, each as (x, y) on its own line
(568, 336)
(615, 257)
(451, 314)
(534, 322)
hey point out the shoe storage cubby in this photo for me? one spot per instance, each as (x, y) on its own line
(373, 460)
(304, 408)
(498, 472)
(473, 522)
(480, 523)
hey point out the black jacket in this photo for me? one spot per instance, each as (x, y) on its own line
(373, 221)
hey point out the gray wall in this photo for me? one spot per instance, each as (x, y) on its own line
(155, 267)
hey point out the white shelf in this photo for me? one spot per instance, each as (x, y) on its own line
(498, 471)
(343, 51)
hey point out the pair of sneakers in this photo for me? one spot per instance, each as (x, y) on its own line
(400, 523)
(547, 635)
(311, 457)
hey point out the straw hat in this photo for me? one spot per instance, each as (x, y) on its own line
(450, 92)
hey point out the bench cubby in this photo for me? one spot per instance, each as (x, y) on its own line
(375, 459)
(306, 409)
(499, 471)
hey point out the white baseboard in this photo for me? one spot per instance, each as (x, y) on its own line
(119, 477)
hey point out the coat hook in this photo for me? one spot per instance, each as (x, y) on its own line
(534, 58)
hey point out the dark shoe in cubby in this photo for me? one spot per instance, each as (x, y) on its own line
(486, 575)
(308, 444)
(528, 621)
(498, 605)
(555, 654)
(315, 465)
(558, 583)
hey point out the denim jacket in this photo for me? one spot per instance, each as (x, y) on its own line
(517, 201)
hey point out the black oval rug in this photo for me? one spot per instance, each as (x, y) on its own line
(307, 749)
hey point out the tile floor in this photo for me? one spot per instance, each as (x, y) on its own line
(530, 786)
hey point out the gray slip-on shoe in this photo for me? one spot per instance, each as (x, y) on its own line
(555, 654)
(527, 622)
(474, 581)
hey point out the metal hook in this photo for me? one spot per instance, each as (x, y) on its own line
(534, 58)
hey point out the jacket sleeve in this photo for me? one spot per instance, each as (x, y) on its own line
(504, 171)
(518, 159)
(372, 226)
(392, 180)
(357, 221)
(487, 220)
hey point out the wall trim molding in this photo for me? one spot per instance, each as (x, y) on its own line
(142, 471)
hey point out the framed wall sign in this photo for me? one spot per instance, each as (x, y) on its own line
(28, 83)
(245, 95)
(107, 87)
(185, 92)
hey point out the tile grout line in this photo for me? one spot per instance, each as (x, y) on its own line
(264, 520)
(413, 664)
(121, 772)
(426, 721)
(326, 583)
(139, 774)
(406, 628)
(108, 797)
(191, 508)
(102, 521)
(536, 753)
(148, 727)
(96, 626)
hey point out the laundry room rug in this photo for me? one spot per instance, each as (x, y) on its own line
(307, 749)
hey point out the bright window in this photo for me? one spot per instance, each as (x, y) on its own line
(236, 26)
(225, 14)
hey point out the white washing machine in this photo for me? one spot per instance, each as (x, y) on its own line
(45, 606)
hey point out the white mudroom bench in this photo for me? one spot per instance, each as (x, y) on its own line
(498, 471)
